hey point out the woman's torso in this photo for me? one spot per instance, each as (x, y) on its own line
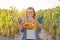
(31, 34)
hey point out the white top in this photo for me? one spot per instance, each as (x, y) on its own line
(31, 34)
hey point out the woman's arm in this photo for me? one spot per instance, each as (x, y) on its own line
(39, 28)
(40, 23)
(21, 27)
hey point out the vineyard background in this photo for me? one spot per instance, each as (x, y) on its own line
(9, 24)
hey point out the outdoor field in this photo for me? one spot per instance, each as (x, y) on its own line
(10, 28)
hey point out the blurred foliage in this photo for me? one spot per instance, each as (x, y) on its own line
(9, 20)
(51, 20)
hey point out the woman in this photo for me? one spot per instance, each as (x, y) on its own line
(30, 13)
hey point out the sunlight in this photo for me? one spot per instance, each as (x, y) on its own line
(37, 4)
